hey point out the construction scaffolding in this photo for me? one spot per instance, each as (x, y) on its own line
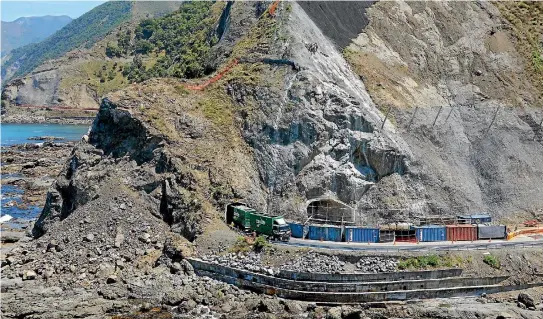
(330, 211)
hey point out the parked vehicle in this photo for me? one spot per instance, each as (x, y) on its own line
(249, 219)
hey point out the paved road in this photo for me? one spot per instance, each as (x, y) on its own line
(426, 246)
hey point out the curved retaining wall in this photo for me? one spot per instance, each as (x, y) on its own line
(370, 277)
(215, 270)
(268, 285)
(358, 297)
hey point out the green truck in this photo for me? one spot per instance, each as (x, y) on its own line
(249, 219)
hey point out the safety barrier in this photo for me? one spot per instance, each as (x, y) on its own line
(528, 231)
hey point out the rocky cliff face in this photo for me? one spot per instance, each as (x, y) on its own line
(173, 162)
(47, 85)
(292, 123)
(268, 134)
(464, 67)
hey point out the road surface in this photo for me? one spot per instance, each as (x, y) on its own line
(521, 242)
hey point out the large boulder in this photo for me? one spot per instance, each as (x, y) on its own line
(526, 299)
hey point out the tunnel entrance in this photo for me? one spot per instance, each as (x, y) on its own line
(329, 211)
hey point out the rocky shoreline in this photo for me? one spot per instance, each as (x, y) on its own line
(25, 118)
(28, 170)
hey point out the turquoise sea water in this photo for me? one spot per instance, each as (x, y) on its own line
(11, 202)
(19, 133)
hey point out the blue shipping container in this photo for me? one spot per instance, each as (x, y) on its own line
(327, 233)
(361, 235)
(431, 233)
(334, 233)
(297, 230)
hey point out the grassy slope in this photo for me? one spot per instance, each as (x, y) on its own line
(385, 80)
(526, 21)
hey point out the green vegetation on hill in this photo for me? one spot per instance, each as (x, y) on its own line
(526, 25)
(101, 76)
(81, 32)
(432, 261)
(181, 41)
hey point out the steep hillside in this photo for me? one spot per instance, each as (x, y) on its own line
(455, 139)
(312, 130)
(415, 54)
(463, 86)
(269, 132)
(27, 30)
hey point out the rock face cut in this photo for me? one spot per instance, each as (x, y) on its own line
(457, 73)
(322, 136)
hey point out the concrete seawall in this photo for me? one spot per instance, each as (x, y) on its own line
(358, 297)
(370, 277)
(344, 291)
(354, 286)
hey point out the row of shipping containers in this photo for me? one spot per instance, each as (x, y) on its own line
(428, 233)
(460, 232)
(335, 233)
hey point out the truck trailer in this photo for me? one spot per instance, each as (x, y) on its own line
(248, 219)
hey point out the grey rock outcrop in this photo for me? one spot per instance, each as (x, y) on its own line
(526, 300)
(323, 137)
(435, 65)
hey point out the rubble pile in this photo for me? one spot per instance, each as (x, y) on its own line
(315, 263)
(249, 261)
(376, 264)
